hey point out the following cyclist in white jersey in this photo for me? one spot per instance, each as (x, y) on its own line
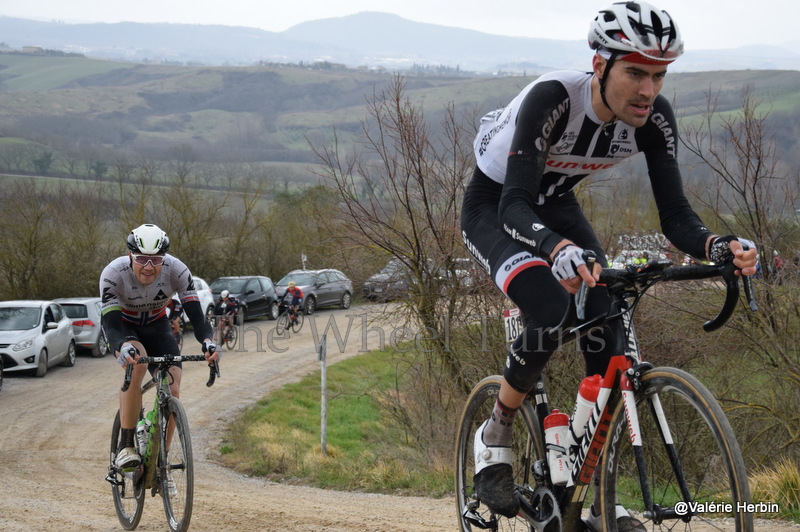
(522, 221)
(135, 290)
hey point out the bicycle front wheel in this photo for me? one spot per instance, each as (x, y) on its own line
(694, 468)
(231, 337)
(128, 494)
(527, 446)
(283, 323)
(176, 470)
(298, 323)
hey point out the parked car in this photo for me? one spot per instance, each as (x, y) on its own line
(392, 282)
(34, 336)
(321, 288)
(85, 315)
(256, 294)
(207, 300)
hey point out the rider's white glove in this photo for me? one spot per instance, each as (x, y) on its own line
(566, 262)
(125, 352)
(210, 348)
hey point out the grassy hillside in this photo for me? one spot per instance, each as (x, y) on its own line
(268, 113)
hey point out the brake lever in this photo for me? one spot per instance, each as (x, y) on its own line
(128, 375)
(583, 291)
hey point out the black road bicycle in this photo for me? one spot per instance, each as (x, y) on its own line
(285, 322)
(167, 466)
(231, 336)
(657, 440)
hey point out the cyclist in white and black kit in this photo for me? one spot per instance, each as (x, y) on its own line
(521, 220)
(135, 290)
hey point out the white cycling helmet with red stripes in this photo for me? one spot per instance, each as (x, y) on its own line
(638, 32)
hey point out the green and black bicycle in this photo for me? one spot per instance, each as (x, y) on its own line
(167, 466)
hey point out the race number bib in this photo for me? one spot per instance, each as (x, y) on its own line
(513, 323)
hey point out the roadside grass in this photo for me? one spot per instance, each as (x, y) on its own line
(780, 485)
(279, 437)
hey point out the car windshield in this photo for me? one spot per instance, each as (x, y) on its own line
(19, 318)
(235, 286)
(394, 266)
(75, 311)
(302, 279)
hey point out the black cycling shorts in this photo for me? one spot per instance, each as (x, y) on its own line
(156, 337)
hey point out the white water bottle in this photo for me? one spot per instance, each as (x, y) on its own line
(141, 435)
(584, 404)
(555, 437)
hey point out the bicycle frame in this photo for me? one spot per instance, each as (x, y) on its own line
(619, 384)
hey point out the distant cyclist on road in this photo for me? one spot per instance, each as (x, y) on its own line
(295, 295)
(226, 309)
(135, 290)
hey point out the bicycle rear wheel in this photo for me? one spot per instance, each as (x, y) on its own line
(704, 452)
(128, 494)
(176, 469)
(527, 445)
(298, 323)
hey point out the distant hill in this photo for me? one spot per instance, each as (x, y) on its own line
(76, 106)
(369, 39)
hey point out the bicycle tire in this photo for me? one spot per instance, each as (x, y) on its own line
(527, 445)
(298, 322)
(128, 496)
(282, 323)
(175, 462)
(231, 337)
(707, 450)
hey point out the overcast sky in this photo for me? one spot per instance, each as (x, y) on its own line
(704, 23)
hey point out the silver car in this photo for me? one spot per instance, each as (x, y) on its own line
(34, 336)
(321, 288)
(85, 315)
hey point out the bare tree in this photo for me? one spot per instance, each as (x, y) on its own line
(754, 196)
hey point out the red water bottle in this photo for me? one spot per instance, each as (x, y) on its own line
(555, 437)
(584, 404)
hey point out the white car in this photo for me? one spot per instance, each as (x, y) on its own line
(86, 315)
(34, 336)
(206, 298)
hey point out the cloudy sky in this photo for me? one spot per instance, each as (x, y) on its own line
(705, 24)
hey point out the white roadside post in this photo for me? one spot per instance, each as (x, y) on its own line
(324, 399)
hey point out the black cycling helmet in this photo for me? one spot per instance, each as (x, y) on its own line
(148, 239)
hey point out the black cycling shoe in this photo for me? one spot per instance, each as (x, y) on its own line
(494, 486)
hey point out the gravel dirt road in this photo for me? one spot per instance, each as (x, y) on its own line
(55, 438)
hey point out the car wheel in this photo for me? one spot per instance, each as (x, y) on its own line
(102, 348)
(346, 300)
(210, 312)
(274, 310)
(1, 374)
(243, 313)
(310, 305)
(41, 366)
(70, 360)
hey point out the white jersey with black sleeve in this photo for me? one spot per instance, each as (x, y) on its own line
(140, 304)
